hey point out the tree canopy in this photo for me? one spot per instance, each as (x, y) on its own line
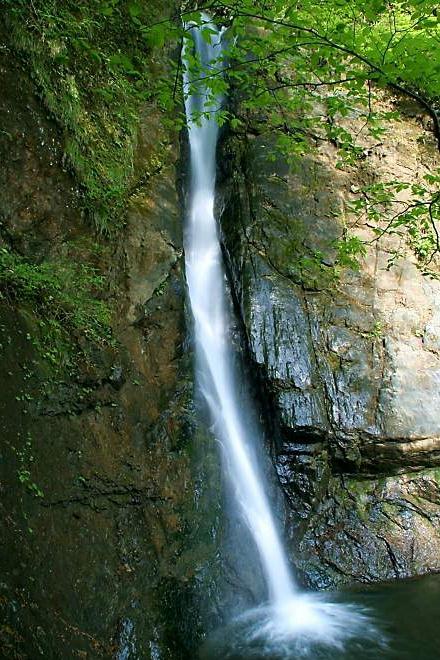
(305, 66)
(296, 69)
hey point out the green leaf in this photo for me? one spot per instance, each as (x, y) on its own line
(106, 9)
(155, 36)
(134, 10)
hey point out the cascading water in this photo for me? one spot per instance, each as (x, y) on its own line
(290, 614)
(205, 277)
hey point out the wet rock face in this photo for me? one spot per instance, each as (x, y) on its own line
(43, 198)
(352, 366)
(372, 530)
(106, 532)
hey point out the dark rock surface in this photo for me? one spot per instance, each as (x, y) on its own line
(108, 511)
(351, 365)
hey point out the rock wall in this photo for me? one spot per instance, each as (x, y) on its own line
(352, 366)
(107, 508)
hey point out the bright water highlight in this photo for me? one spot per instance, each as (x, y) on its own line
(291, 618)
(206, 286)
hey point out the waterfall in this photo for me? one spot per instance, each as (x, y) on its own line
(290, 611)
(212, 327)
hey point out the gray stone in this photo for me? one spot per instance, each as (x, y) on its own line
(352, 364)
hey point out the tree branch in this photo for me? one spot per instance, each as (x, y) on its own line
(396, 86)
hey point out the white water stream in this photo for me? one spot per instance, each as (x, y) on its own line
(206, 286)
(289, 613)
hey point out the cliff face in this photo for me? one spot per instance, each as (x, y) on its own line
(105, 529)
(351, 365)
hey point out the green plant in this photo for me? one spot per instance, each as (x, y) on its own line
(26, 459)
(63, 295)
(302, 69)
(350, 250)
(376, 332)
(414, 215)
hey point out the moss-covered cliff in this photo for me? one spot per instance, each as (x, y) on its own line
(105, 531)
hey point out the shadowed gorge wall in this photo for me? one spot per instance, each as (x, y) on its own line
(106, 530)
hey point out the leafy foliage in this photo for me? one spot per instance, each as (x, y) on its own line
(300, 70)
(415, 218)
(63, 295)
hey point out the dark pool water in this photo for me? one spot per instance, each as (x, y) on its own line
(403, 624)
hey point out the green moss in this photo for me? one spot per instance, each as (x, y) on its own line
(93, 67)
(356, 494)
(63, 296)
(289, 252)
